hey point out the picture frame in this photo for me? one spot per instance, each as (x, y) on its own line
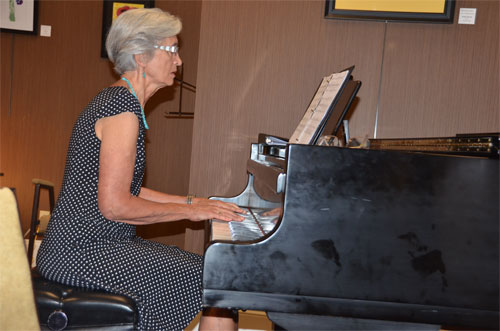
(19, 16)
(416, 11)
(111, 9)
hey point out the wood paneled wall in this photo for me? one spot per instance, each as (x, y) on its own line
(52, 80)
(440, 80)
(46, 82)
(260, 63)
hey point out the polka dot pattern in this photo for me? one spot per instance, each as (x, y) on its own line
(83, 248)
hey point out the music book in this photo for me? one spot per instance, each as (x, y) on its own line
(316, 115)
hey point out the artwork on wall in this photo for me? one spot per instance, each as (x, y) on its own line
(424, 11)
(19, 16)
(112, 9)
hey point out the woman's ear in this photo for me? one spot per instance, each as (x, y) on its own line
(141, 59)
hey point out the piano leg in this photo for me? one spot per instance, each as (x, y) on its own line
(284, 321)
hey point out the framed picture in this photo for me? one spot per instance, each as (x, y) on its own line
(112, 9)
(422, 11)
(19, 16)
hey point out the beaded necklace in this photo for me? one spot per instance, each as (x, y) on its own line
(142, 109)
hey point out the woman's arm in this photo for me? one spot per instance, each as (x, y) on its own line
(118, 135)
(156, 196)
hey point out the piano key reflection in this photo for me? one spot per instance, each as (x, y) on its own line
(257, 223)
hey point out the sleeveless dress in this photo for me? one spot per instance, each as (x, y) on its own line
(83, 248)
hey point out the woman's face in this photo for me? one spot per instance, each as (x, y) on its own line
(162, 67)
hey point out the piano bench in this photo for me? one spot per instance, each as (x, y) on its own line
(63, 307)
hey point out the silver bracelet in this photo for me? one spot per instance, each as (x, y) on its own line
(190, 198)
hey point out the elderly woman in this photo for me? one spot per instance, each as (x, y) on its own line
(91, 238)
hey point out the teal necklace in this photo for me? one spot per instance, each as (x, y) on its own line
(142, 109)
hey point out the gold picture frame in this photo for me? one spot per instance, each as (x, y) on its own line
(418, 11)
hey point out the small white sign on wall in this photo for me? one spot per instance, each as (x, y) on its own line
(467, 16)
(45, 30)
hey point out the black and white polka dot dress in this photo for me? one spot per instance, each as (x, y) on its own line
(82, 248)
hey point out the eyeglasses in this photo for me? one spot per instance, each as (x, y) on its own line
(171, 49)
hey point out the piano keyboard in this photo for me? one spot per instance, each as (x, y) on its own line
(254, 226)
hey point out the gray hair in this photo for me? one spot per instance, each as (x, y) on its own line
(137, 31)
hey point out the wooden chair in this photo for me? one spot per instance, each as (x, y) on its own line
(39, 224)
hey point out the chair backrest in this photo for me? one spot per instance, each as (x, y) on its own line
(17, 302)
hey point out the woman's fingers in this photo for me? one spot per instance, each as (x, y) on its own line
(226, 205)
(273, 212)
(205, 212)
(228, 215)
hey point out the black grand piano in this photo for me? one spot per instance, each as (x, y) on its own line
(366, 239)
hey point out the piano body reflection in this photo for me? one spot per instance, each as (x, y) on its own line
(367, 239)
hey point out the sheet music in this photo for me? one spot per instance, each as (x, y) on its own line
(318, 108)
